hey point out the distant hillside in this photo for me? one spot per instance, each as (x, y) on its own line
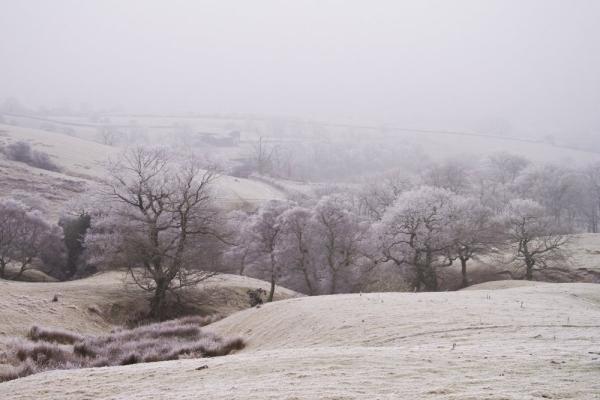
(80, 162)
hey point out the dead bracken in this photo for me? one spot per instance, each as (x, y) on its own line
(182, 338)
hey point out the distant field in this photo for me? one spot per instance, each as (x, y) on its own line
(435, 146)
(81, 165)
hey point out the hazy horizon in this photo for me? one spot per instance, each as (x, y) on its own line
(430, 62)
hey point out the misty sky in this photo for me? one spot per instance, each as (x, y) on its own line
(379, 61)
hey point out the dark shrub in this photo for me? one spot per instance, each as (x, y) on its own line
(40, 159)
(254, 295)
(74, 229)
(18, 151)
(21, 151)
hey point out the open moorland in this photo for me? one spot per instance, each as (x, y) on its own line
(501, 340)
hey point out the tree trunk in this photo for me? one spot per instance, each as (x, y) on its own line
(272, 292)
(463, 263)
(308, 284)
(428, 273)
(158, 300)
(334, 279)
(430, 279)
(529, 271)
(273, 272)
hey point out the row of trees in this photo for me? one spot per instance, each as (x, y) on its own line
(570, 195)
(158, 216)
(330, 247)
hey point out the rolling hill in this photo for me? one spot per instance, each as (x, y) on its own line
(540, 340)
(505, 339)
(116, 296)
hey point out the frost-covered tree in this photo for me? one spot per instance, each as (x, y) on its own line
(471, 232)
(161, 221)
(341, 240)
(556, 187)
(239, 254)
(415, 233)
(297, 248)
(378, 192)
(453, 175)
(591, 184)
(262, 238)
(505, 167)
(491, 182)
(536, 239)
(25, 237)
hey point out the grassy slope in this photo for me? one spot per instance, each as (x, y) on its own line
(81, 163)
(440, 146)
(378, 345)
(23, 304)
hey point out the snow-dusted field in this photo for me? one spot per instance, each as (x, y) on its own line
(537, 340)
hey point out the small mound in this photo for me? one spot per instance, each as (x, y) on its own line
(30, 275)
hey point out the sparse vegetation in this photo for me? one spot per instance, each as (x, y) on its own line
(256, 296)
(169, 340)
(21, 151)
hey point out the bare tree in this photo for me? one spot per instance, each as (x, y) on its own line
(162, 223)
(108, 134)
(285, 160)
(183, 135)
(536, 238)
(263, 155)
(591, 179)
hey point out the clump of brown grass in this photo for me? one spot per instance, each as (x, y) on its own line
(95, 309)
(171, 340)
(62, 336)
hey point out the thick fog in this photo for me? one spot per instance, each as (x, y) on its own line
(404, 62)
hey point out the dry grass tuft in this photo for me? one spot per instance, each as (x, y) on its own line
(95, 309)
(62, 336)
(171, 340)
